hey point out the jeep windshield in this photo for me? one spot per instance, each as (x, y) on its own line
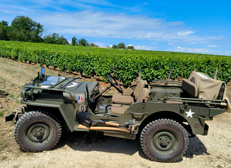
(50, 81)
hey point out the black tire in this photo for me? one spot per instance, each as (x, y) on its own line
(36, 132)
(164, 140)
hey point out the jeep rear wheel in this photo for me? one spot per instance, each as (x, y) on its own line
(36, 132)
(164, 140)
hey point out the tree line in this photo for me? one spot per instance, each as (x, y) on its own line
(122, 46)
(24, 29)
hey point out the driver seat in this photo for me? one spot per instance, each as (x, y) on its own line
(119, 109)
(122, 102)
(126, 98)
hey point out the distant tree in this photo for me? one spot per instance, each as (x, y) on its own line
(51, 39)
(114, 46)
(4, 30)
(93, 45)
(55, 39)
(62, 40)
(130, 47)
(74, 41)
(25, 29)
(5, 23)
(121, 46)
(83, 42)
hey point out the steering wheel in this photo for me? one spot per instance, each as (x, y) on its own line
(114, 83)
(88, 96)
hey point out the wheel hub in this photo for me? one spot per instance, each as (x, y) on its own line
(38, 132)
(164, 141)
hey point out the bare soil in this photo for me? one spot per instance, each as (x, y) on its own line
(96, 150)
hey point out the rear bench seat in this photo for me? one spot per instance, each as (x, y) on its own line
(190, 88)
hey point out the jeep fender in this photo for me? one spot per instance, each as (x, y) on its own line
(66, 110)
(152, 111)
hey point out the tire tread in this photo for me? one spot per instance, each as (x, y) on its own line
(26, 117)
(167, 121)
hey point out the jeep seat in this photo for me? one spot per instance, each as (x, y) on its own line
(118, 109)
(144, 95)
(128, 99)
(121, 108)
(190, 88)
(121, 99)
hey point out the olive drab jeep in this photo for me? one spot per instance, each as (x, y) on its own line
(162, 114)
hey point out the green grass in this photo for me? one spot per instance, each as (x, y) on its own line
(4, 111)
(12, 96)
(3, 144)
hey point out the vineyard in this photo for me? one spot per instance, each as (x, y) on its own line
(125, 64)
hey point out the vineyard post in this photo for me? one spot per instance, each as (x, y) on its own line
(215, 76)
(170, 73)
(37, 58)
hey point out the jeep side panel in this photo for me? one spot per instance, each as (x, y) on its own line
(189, 114)
(68, 111)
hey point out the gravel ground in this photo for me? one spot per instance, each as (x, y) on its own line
(96, 150)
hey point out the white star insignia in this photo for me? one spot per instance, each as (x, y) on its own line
(189, 113)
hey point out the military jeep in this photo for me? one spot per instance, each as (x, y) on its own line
(163, 114)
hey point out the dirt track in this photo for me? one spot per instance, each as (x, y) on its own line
(95, 150)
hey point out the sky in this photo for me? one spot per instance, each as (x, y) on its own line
(195, 26)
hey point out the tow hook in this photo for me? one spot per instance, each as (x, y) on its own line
(16, 114)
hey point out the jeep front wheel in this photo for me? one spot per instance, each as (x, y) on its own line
(36, 132)
(164, 140)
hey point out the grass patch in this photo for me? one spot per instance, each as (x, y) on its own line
(12, 96)
(12, 84)
(7, 111)
(2, 112)
(3, 144)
